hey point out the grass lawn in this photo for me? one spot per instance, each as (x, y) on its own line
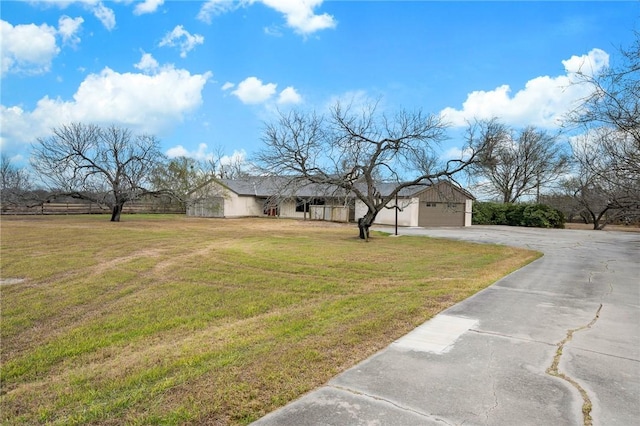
(175, 320)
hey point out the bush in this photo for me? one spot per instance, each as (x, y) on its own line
(532, 215)
(482, 213)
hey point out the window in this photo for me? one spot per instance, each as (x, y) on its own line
(302, 206)
(430, 204)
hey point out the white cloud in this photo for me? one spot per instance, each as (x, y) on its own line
(588, 64)
(200, 154)
(452, 153)
(273, 30)
(289, 96)
(543, 102)
(228, 85)
(356, 101)
(147, 6)
(455, 153)
(177, 151)
(68, 28)
(252, 91)
(236, 158)
(27, 49)
(104, 15)
(182, 38)
(299, 14)
(212, 8)
(148, 103)
(147, 64)
(203, 154)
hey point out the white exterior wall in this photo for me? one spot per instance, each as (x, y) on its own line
(408, 216)
(322, 212)
(329, 212)
(288, 209)
(468, 212)
(240, 206)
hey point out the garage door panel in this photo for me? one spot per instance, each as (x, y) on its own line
(441, 214)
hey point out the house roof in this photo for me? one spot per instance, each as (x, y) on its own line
(415, 190)
(269, 186)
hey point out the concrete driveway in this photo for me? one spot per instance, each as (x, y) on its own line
(541, 346)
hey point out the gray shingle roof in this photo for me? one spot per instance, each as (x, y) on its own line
(268, 186)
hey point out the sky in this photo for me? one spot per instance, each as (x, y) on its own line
(207, 76)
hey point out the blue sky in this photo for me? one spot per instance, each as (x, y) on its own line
(205, 76)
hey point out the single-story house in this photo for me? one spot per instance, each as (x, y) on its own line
(271, 196)
(439, 204)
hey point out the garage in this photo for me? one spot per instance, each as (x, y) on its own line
(444, 205)
(438, 204)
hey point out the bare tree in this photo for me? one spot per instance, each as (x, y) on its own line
(520, 164)
(608, 151)
(16, 184)
(605, 182)
(614, 100)
(357, 151)
(226, 167)
(106, 165)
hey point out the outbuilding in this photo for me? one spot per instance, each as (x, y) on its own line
(429, 205)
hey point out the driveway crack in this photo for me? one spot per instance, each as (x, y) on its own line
(400, 407)
(493, 389)
(553, 370)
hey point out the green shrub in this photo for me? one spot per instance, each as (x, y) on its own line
(482, 213)
(522, 214)
(515, 214)
(542, 216)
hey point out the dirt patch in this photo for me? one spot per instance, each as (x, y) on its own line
(10, 281)
(588, 226)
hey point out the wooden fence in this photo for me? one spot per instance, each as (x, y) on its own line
(91, 208)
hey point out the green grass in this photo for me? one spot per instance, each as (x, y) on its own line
(175, 320)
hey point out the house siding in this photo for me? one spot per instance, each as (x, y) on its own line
(241, 206)
(208, 207)
(407, 215)
(442, 193)
(288, 209)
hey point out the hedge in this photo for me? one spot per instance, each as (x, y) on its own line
(531, 215)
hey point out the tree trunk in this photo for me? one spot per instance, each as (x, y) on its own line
(599, 221)
(116, 211)
(364, 223)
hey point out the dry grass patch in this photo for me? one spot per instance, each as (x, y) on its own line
(589, 227)
(175, 320)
